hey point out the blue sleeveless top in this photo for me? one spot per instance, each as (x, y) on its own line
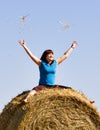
(47, 73)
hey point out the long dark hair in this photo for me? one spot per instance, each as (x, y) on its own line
(45, 53)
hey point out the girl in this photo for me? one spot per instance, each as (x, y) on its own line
(47, 67)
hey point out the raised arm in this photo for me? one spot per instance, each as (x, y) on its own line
(34, 58)
(67, 53)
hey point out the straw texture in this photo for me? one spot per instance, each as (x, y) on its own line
(51, 109)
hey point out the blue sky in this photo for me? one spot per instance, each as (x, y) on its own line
(43, 28)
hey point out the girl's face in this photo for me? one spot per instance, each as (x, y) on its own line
(50, 57)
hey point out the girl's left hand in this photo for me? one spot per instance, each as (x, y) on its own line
(74, 44)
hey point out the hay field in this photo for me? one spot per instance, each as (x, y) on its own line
(51, 109)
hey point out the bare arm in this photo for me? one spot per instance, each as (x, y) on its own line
(67, 53)
(34, 58)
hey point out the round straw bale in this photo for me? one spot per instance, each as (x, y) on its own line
(51, 109)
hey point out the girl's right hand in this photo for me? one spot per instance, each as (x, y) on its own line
(22, 42)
